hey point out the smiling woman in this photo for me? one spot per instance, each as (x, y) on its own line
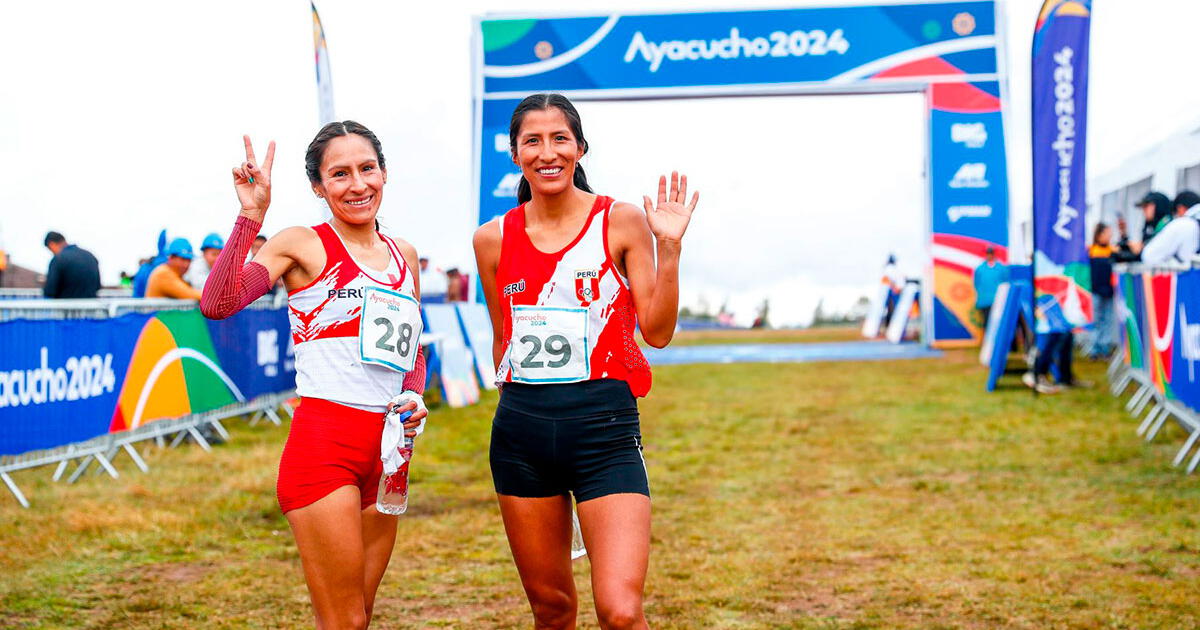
(348, 376)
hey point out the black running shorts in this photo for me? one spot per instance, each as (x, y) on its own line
(582, 438)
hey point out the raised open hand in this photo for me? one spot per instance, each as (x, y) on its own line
(252, 182)
(669, 219)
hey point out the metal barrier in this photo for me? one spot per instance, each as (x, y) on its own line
(1147, 395)
(103, 448)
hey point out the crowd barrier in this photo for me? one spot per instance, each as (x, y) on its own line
(1159, 350)
(83, 380)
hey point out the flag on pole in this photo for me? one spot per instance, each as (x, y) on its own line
(324, 78)
(1059, 87)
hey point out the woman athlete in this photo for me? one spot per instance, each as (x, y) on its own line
(568, 275)
(341, 277)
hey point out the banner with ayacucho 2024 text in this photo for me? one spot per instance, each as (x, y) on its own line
(1059, 87)
(66, 381)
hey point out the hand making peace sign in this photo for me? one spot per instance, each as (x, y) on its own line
(253, 184)
(669, 220)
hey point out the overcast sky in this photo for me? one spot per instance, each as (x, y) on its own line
(120, 118)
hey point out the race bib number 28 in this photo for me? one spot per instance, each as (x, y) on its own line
(549, 344)
(389, 332)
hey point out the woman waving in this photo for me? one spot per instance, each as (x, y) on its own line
(568, 276)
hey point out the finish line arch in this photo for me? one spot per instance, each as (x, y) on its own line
(952, 52)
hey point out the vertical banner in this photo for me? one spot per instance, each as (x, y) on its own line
(1059, 87)
(324, 78)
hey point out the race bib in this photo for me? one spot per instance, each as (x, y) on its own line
(389, 330)
(549, 344)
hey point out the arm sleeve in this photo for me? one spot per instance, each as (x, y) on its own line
(415, 379)
(231, 286)
(52, 279)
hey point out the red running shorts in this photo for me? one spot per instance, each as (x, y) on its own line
(329, 446)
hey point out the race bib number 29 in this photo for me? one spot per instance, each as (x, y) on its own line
(389, 332)
(549, 344)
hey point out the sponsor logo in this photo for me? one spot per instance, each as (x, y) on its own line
(507, 186)
(976, 212)
(587, 286)
(1189, 334)
(971, 135)
(777, 44)
(500, 142)
(515, 287)
(268, 351)
(1064, 144)
(79, 378)
(345, 293)
(963, 24)
(543, 50)
(970, 175)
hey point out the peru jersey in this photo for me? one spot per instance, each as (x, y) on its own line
(569, 315)
(325, 327)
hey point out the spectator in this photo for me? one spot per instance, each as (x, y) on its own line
(210, 248)
(433, 282)
(456, 285)
(1156, 212)
(894, 282)
(166, 281)
(126, 280)
(1179, 241)
(74, 271)
(1123, 251)
(255, 246)
(988, 277)
(1101, 257)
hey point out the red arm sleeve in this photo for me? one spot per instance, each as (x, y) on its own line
(231, 286)
(414, 380)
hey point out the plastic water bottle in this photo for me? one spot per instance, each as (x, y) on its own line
(392, 497)
(577, 549)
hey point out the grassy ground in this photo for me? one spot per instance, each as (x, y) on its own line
(836, 495)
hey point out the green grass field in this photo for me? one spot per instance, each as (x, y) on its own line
(823, 495)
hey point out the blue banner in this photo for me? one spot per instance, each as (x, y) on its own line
(60, 379)
(1059, 88)
(254, 348)
(1185, 356)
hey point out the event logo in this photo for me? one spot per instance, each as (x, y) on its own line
(507, 186)
(543, 50)
(1064, 145)
(963, 24)
(79, 378)
(587, 286)
(970, 135)
(954, 213)
(970, 175)
(777, 44)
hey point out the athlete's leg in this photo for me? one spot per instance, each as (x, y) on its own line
(379, 537)
(331, 550)
(616, 531)
(539, 533)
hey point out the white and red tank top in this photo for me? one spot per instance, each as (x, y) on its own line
(568, 315)
(325, 323)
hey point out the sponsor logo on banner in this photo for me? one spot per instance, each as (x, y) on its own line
(268, 351)
(970, 175)
(500, 142)
(954, 213)
(779, 44)
(507, 186)
(587, 285)
(971, 135)
(543, 50)
(1189, 335)
(963, 24)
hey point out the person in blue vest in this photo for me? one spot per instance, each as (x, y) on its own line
(988, 277)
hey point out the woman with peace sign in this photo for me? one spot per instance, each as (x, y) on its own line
(568, 275)
(345, 280)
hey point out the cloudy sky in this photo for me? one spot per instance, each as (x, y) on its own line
(120, 118)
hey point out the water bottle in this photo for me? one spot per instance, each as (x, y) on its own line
(392, 497)
(577, 549)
